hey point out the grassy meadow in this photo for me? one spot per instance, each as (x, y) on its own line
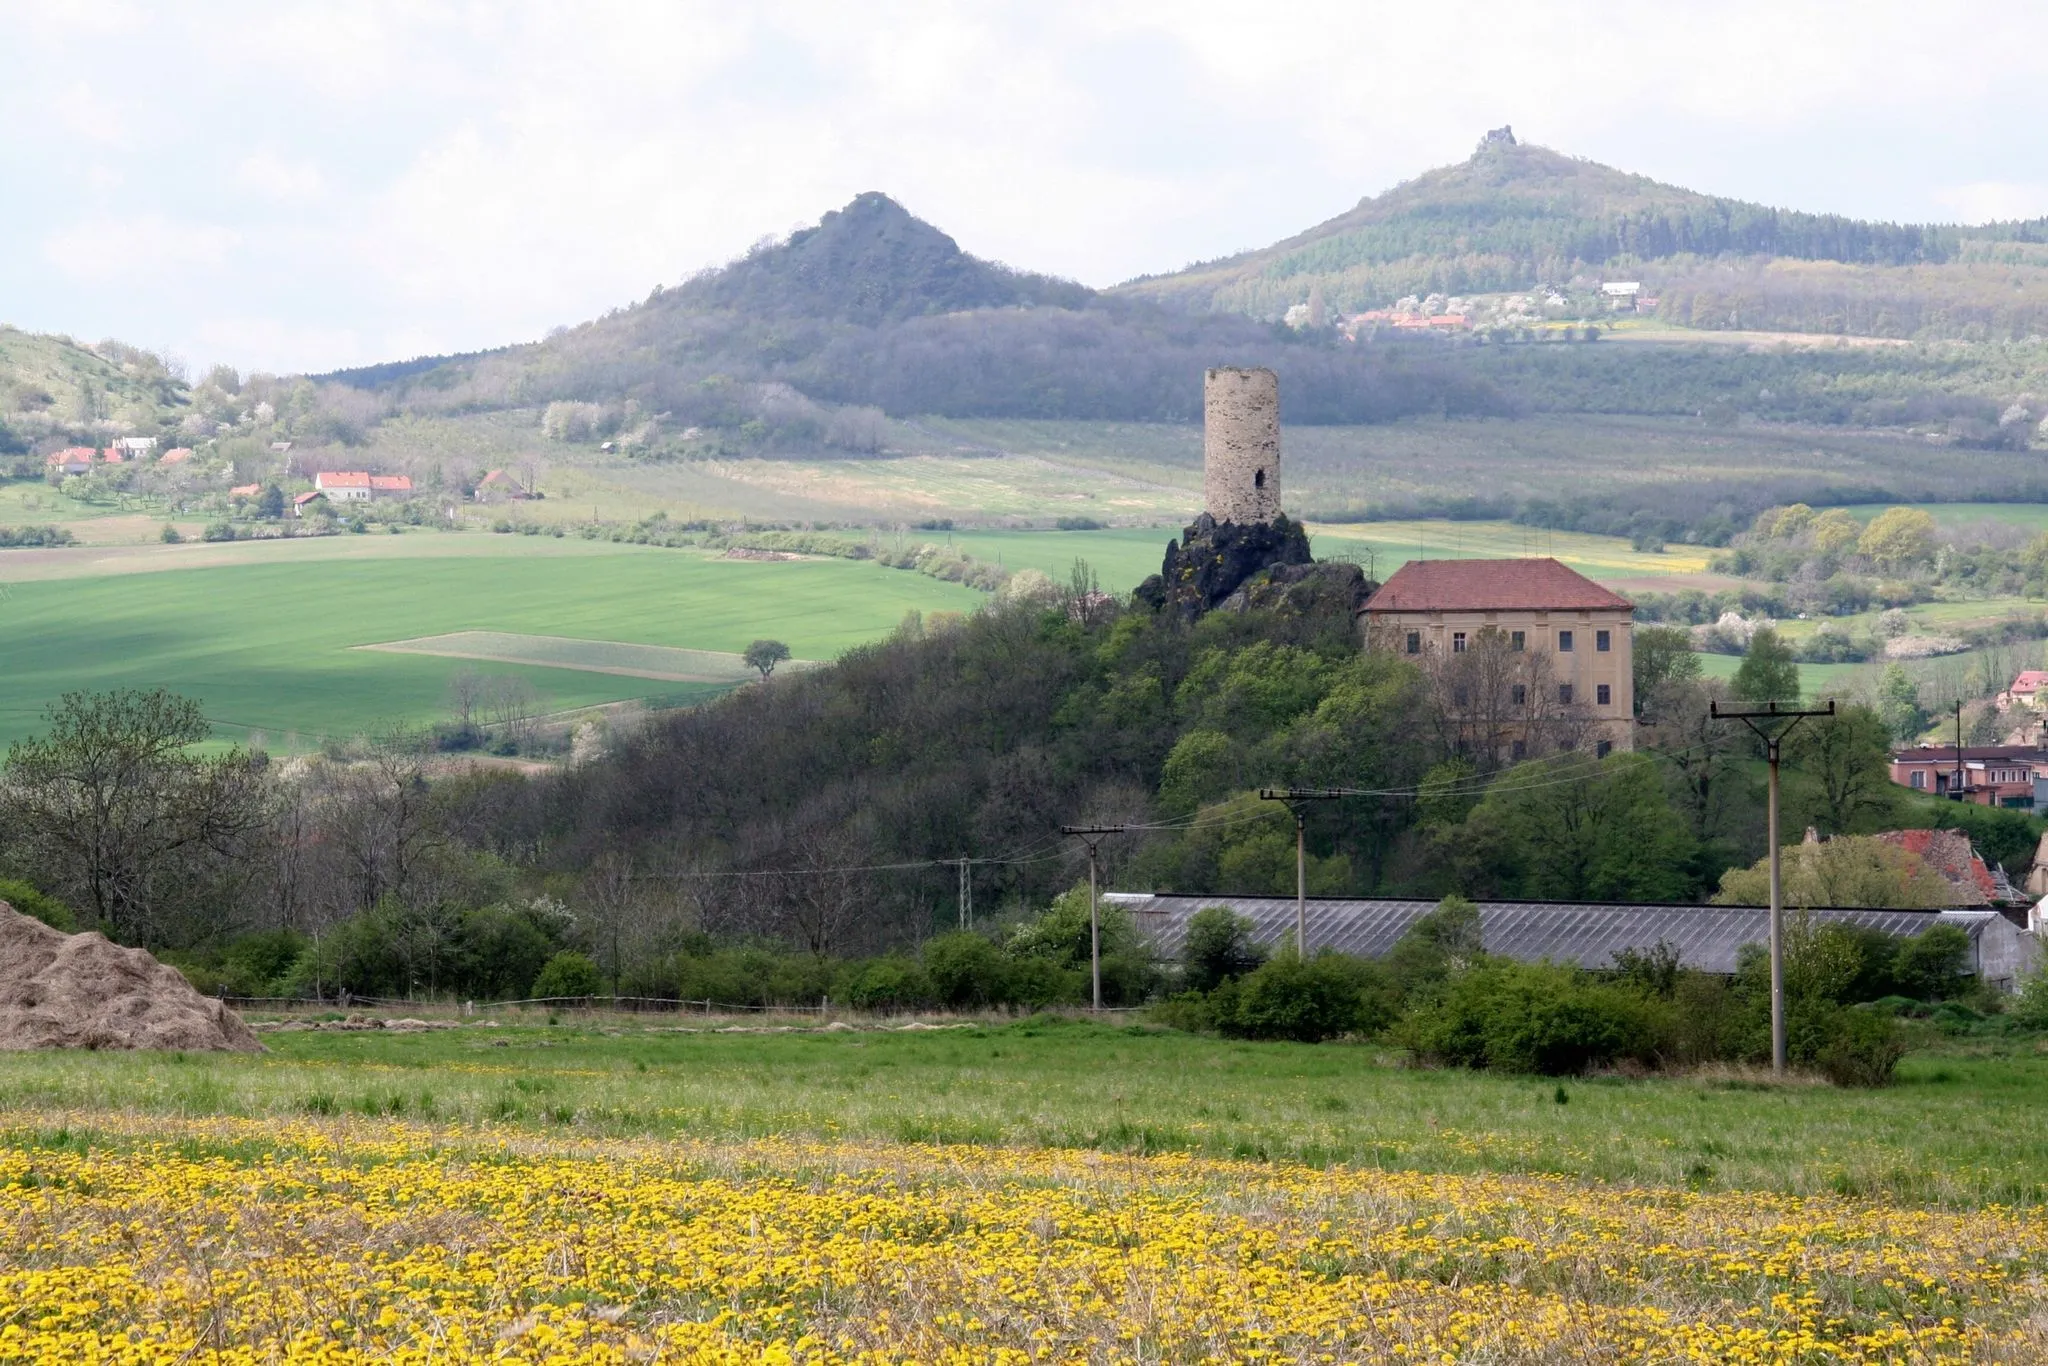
(1042, 1189)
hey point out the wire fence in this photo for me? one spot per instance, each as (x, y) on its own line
(621, 1004)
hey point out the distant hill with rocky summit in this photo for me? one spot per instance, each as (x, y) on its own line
(1514, 216)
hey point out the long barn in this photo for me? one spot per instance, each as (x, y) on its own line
(1586, 933)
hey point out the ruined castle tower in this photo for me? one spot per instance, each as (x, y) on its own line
(1241, 445)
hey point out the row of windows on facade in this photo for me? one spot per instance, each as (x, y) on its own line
(1603, 641)
(1519, 750)
(1518, 695)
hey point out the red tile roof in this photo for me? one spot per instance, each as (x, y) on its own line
(1949, 853)
(306, 498)
(245, 490)
(1491, 585)
(392, 483)
(176, 455)
(2030, 680)
(341, 479)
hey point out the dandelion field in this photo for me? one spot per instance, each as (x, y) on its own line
(584, 1195)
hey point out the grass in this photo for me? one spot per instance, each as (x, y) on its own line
(264, 635)
(1958, 1130)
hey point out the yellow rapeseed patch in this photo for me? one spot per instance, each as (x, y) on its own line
(130, 1240)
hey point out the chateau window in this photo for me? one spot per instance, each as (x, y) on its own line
(1603, 749)
(1457, 642)
(1517, 641)
(1564, 642)
(1603, 641)
(1603, 694)
(1520, 694)
(1415, 642)
(1564, 693)
(1259, 479)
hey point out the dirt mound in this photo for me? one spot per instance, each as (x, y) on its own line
(62, 990)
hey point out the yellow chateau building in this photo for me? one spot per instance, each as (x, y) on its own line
(1534, 655)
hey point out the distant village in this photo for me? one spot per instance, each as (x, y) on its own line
(326, 495)
(1568, 312)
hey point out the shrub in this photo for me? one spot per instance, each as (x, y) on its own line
(966, 970)
(1303, 1001)
(891, 984)
(2029, 1009)
(1860, 1048)
(1537, 1017)
(31, 902)
(1218, 948)
(256, 964)
(1930, 964)
(568, 973)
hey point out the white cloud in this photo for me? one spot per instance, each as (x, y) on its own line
(1993, 201)
(275, 177)
(145, 247)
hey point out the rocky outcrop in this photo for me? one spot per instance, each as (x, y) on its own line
(1213, 560)
(1302, 590)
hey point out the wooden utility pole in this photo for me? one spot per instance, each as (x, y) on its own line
(966, 892)
(1091, 835)
(1297, 799)
(1771, 736)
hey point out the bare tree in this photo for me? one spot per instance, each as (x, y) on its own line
(375, 820)
(466, 691)
(113, 811)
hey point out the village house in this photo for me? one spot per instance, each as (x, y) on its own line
(177, 455)
(308, 502)
(1578, 632)
(1989, 775)
(2026, 688)
(499, 485)
(71, 460)
(1972, 881)
(245, 490)
(358, 486)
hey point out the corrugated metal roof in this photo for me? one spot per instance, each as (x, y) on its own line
(1586, 933)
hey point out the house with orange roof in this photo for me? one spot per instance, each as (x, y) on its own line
(176, 455)
(2027, 686)
(360, 486)
(245, 490)
(1557, 647)
(71, 460)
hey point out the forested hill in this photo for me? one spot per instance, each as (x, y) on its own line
(871, 263)
(1516, 216)
(874, 308)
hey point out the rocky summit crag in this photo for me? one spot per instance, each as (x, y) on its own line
(1213, 560)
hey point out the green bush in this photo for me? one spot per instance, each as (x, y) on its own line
(1537, 1017)
(965, 970)
(1860, 1048)
(568, 973)
(258, 964)
(891, 984)
(1218, 948)
(2029, 1009)
(1307, 1002)
(31, 902)
(1930, 964)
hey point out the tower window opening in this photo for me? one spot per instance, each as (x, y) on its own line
(1259, 479)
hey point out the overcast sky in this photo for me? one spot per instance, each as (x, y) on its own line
(297, 186)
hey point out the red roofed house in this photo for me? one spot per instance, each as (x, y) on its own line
(245, 490)
(2027, 685)
(177, 455)
(498, 484)
(355, 486)
(1578, 636)
(72, 460)
(306, 500)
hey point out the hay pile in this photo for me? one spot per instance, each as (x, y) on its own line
(62, 990)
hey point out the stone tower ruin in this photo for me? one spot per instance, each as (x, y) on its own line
(1241, 445)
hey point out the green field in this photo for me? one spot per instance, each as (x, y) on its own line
(1958, 1129)
(263, 633)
